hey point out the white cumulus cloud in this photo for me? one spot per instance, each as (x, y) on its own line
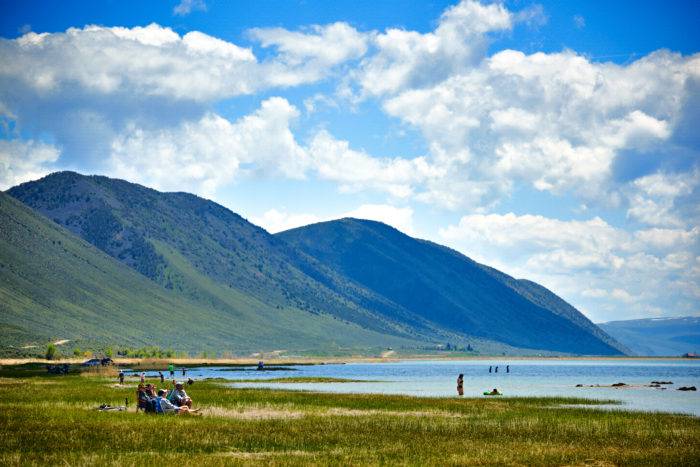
(653, 198)
(317, 47)
(24, 160)
(205, 154)
(353, 170)
(147, 61)
(556, 122)
(185, 7)
(406, 59)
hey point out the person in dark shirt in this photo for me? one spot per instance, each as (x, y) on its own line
(142, 398)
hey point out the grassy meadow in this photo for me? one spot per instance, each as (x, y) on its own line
(53, 420)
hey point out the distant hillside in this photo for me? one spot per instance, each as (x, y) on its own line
(54, 285)
(448, 289)
(657, 336)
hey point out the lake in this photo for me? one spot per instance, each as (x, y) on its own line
(526, 378)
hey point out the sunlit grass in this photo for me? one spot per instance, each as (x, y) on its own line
(52, 419)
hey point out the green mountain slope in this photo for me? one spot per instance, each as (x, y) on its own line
(657, 336)
(206, 253)
(547, 299)
(448, 289)
(54, 285)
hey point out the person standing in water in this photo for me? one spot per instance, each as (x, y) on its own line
(460, 384)
(507, 368)
(171, 368)
(162, 378)
(496, 369)
(490, 368)
(184, 371)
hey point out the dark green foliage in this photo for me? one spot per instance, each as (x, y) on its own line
(448, 289)
(50, 352)
(101, 227)
(150, 351)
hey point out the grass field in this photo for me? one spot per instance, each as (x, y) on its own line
(52, 420)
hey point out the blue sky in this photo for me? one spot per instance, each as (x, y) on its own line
(556, 141)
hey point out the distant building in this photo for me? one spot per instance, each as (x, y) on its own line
(691, 355)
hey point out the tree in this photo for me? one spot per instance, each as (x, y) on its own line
(51, 351)
(77, 352)
(108, 352)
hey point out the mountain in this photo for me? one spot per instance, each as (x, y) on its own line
(54, 285)
(450, 290)
(209, 255)
(344, 284)
(657, 336)
(547, 299)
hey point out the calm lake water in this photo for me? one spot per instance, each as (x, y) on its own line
(526, 378)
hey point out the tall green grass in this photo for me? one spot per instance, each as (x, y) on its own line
(52, 420)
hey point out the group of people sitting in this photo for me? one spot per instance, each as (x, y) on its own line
(175, 401)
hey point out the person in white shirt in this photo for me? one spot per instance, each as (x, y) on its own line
(179, 397)
(163, 405)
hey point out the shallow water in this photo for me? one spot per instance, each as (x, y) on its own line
(526, 378)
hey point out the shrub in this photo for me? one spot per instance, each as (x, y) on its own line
(51, 352)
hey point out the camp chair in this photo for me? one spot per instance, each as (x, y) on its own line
(141, 403)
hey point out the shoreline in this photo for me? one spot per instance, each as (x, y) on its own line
(291, 360)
